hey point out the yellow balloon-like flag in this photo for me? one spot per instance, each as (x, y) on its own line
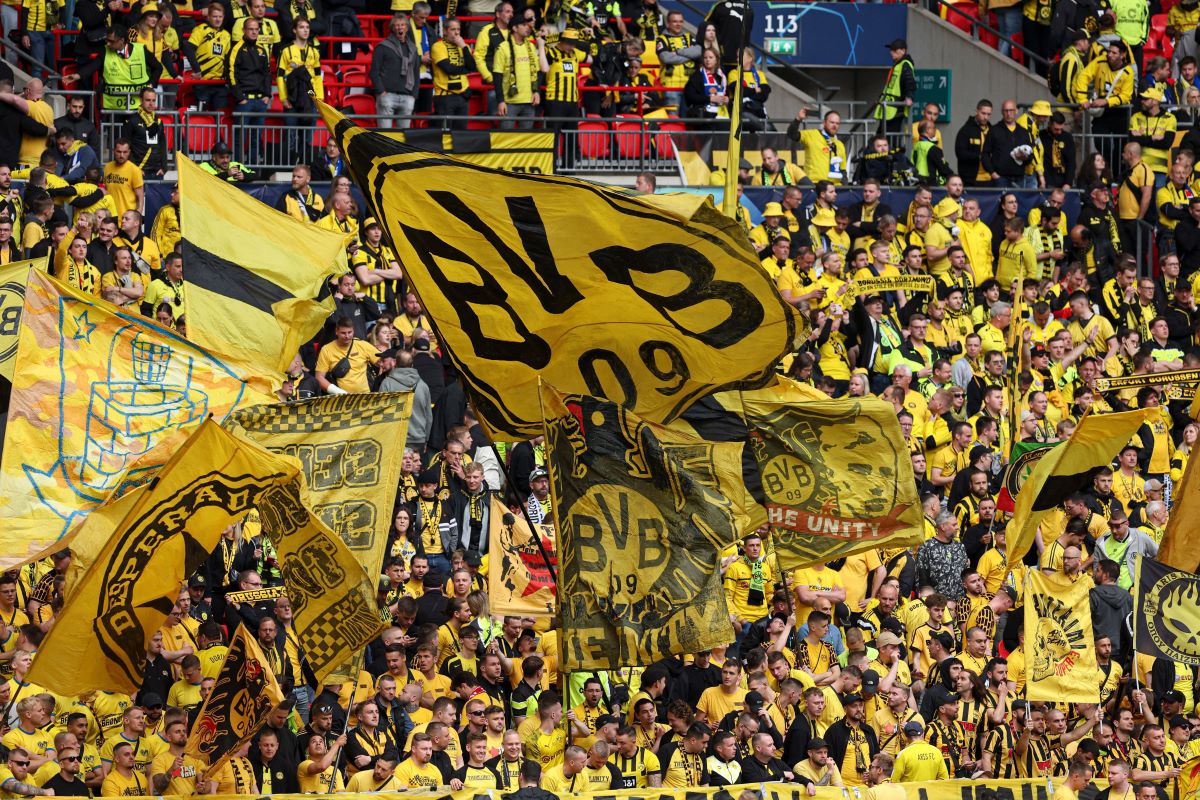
(651, 301)
(12, 299)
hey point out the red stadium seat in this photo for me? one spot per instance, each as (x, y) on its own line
(202, 133)
(664, 144)
(360, 105)
(961, 15)
(594, 141)
(631, 139)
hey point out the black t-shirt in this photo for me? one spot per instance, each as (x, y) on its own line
(65, 788)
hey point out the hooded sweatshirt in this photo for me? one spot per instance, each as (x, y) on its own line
(406, 379)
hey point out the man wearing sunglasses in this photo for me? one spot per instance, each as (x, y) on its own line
(68, 783)
(15, 783)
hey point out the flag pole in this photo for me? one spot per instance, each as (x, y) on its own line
(733, 150)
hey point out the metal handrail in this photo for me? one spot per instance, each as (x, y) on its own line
(1030, 56)
(51, 73)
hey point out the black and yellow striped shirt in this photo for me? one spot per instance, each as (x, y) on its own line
(562, 81)
(212, 45)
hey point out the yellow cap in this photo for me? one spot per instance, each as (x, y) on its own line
(945, 207)
(1040, 109)
(824, 218)
(773, 210)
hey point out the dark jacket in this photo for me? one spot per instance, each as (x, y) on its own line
(733, 19)
(838, 735)
(283, 773)
(1110, 606)
(147, 143)
(967, 149)
(396, 66)
(83, 128)
(998, 147)
(1187, 247)
(13, 124)
(249, 71)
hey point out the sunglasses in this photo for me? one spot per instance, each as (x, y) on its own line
(19, 763)
(69, 758)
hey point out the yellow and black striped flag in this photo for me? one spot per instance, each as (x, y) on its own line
(251, 274)
(244, 695)
(651, 301)
(12, 299)
(1065, 470)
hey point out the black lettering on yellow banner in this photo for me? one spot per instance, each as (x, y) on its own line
(891, 283)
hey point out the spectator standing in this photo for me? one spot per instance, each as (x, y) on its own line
(733, 21)
(38, 109)
(1133, 24)
(291, 10)
(824, 153)
(249, 69)
(1105, 89)
(423, 35)
(1009, 20)
(1135, 201)
(678, 53)
(1153, 127)
(560, 62)
(77, 122)
(1058, 153)
(41, 18)
(207, 49)
(897, 96)
(268, 29)
(516, 76)
(147, 140)
(452, 64)
(1007, 149)
(395, 70)
(298, 72)
(968, 146)
(124, 180)
(488, 40)
(74, 157)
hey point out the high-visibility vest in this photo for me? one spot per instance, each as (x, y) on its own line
(891, 90)
(124, 78)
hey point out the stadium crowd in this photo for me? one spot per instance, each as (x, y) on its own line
(880, 668)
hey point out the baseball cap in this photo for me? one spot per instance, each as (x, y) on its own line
(1010, 591)
(897, 44)
(816, 743)
(754, 701)
(429, 476)
(744, 164)
(197, 580)
(420, 343)
(887, 639)
(913, 728)
(324, 708)
(221, 149)
(870, 680)
(1178, 721)
(1172, 696)
(1154, 484)
(150, 700)
(852, 698)
(473, 559)
(538, 472)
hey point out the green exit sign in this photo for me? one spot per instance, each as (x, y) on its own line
(781, 47)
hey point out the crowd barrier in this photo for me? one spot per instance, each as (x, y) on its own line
(1033, 789)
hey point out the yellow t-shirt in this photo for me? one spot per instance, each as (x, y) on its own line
(411, 776)
(715, 703)
(117, 785)
(122, 182)
(184, 695)
(184, 783)
(319, 783)
(820, 579)
(937, 236)
(364, 781)
(359, 353)
(36, 743)
(143, 755)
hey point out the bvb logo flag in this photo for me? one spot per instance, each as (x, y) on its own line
(649, 301)
(1025, 456)
(519, 582)
(253, 274)
(1060, 650)
(96, 393)
(1066, 469)
(345, 444)
(836, 474)
(1188, 781)
(240, 702)
(12, 299)
(101, 634)
(643, 514)
(1167, 614)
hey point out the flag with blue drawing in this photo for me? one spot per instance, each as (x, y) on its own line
(97, 392)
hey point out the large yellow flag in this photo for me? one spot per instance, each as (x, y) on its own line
(1189, 778)
(166, 533)
(12, 299)
(253, 274)
(96, 391)
(836, 474)
(242, 698)
(348, 447)
(1065, 470)
(643, 514)
(651, 301)
(1180, 546)
(99, 640)
(1060, 649)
